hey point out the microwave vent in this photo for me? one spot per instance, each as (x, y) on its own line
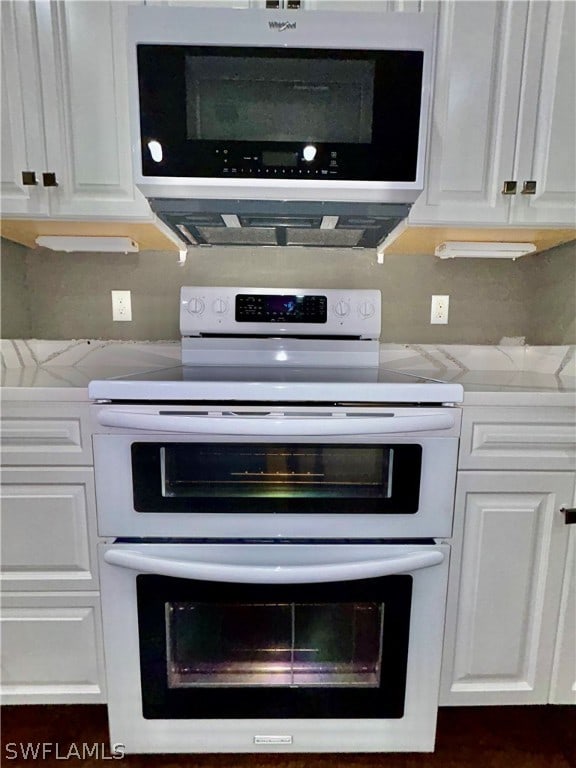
(327, 238)
(280, 222)
(237, 236)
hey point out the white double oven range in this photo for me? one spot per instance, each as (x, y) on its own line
(272, 572)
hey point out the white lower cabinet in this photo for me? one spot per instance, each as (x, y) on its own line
(510, 624)
(48, 526)
(563, 687)
(50, 622)
(52, 649)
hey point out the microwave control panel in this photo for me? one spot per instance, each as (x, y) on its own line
(310, 161)
(280, 311)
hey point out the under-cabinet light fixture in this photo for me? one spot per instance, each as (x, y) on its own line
(482, 250)
(94, 244)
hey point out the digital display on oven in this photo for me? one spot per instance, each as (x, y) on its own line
(270, 308)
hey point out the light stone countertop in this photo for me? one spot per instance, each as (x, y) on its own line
(37, 370)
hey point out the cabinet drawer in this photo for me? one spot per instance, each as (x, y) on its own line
(518, 438)
(46, 435)
(51, 649)
(48, 524)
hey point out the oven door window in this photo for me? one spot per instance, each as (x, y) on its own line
(323, 650)
(242, 478)
(244, 112)
(273, 644)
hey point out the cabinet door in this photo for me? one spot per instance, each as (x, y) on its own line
(546, 150)
(52, 650)
(505, 584)
(45, 434)
(476, 95)
(22, 126)
(563, 686)
(84, 78)
(48, 524)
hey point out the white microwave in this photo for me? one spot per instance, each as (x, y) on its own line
(279, 105)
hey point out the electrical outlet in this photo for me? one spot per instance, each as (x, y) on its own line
(439, 310)
(121, 306)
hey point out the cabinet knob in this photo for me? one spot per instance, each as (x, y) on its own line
(509, 187)
(49, 180)
(569, 515)
(29, 178)
(529, 188)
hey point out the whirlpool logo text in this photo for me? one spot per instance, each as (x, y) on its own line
(282, 26)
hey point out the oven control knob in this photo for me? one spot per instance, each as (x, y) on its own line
(366, 309)
(220, 306)
(195, 306)
(341, 308)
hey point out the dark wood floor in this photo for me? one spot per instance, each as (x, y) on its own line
(487, 737)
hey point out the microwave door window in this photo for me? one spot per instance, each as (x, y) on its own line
(220, 111)
(231, 98)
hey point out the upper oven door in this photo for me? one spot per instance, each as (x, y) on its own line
(253, 474)
(334, 101)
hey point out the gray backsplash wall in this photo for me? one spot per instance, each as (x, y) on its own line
(14, 302)
(62, 296)
(552, 286)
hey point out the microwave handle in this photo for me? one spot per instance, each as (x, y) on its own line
(267, 426)
(272, 574)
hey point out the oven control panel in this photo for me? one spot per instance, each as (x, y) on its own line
(328, 312)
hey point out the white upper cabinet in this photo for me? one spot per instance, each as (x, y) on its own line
(504, 111)
(65, 85)
(22, 128)
(546, 149)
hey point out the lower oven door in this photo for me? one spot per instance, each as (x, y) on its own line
(241, 647)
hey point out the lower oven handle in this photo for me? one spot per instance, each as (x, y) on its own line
(273, 574)
(270, 426)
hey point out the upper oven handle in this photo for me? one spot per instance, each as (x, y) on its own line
(272, 574)
(274, 425)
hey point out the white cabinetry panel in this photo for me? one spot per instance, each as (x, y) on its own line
(65, 92)
(23, 146)
(504, 598)
(50, 623)
(45, 434)
(563, 688)
(51, 649)
(547, 120)
(518, 438)
(87, 128)
(475, 109)
(504, 110)
(48, 533)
